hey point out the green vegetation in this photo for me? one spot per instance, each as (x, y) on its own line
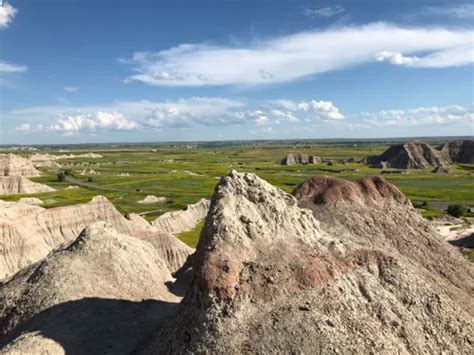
(191, 237)
(61, 176)
(457, 210)
(185, 173)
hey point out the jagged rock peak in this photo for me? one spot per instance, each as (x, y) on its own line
(460, 150)
(14, 165)
(61, 295)
(413, 154)
(249, 217)
(369, 190)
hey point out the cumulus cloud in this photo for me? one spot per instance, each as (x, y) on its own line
(321, 110)
(327, 11)
(421, 116)
(304, 54)
(24, 127)
(71, 124)
(395, 58)
(183, 113)
(70, 89)
(7, 13)
(12, 68)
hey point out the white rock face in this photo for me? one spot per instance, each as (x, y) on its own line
(29, 234)
(102, 293)
(14, 165)
(150, 199)
(38, 157)
(180, 221)
(12, 185)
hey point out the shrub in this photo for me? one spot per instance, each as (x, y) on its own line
(90, 179)
(457, 210)
(424, 204)
(61, 176)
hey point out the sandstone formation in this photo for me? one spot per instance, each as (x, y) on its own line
(38, 157)
(14, 165)
(460, 151)
(29, 233)
(150, 199)
(299, 158)
(104, 292)
(410, 155)
(12, 185)
(181, 221)
(268, 277)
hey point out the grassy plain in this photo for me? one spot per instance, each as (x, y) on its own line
(184, 174)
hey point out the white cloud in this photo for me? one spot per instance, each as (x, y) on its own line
(25, 127)
(7, 13)
(76, 122)
(321, 110)
(70, 124)
(327, 11)
(300, 55)
(395, 58)
(183, 113)
(421, 116)
(70, 89)
(12, 68)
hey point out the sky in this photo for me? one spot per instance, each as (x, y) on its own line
(135, 71)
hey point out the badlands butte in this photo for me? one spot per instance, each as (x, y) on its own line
(262, 247)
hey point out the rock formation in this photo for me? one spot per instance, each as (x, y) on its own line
(460, 151)
(181, 221)
(150, 199)
(29, 233)
(268, 277)
(12, 185)
(373, 213)
(41, 157)
(410, 155)
(14, 165)
(103, 293)
(299, 158)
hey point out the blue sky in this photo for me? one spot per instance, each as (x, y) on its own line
(115, 71)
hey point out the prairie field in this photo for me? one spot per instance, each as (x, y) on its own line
(184, 174)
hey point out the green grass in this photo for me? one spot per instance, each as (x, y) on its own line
(191, 237)
(470, 254)
(169, 171)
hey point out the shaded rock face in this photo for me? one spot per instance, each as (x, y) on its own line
(181, 221)
(269, 277)
(373, 213)
(14, 165)
(87, 297)
(411, 155)
(460, 151)
(28, 234)
(12, 185)
(299, 158)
